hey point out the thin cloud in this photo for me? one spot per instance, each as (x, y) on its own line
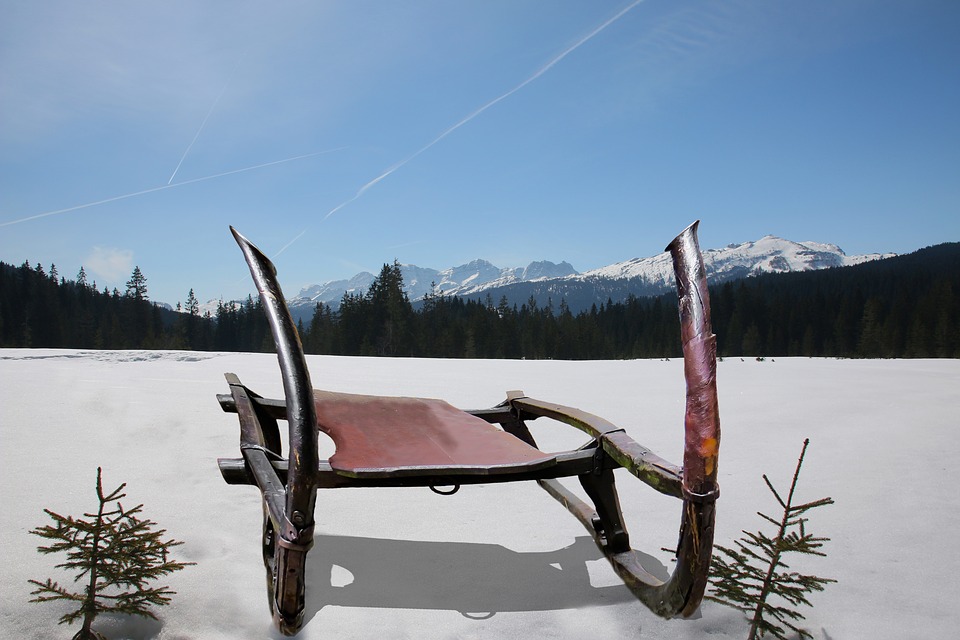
(70, 60)
(109, 264)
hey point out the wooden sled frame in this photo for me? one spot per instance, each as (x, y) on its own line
(289, 484)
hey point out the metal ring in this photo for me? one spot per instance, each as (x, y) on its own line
(485, 616)
(450, 492)
(710, 496)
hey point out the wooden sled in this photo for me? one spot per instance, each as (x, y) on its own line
(418, 442)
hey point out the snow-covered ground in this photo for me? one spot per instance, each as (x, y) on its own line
(492, 561)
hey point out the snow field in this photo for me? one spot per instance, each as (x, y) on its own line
(492, 561)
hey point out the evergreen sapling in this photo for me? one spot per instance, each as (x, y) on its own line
(753, 578)
(116, 555)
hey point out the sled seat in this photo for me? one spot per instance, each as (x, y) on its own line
(378, 436)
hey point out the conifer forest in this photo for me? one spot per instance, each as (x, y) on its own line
(902, 307)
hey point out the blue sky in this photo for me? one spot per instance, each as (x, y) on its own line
(341, 135)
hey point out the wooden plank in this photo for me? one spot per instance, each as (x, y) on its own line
(382, 436)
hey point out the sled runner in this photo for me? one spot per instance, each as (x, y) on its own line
(420, 442)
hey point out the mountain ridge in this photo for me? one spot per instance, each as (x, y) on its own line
(550, 282)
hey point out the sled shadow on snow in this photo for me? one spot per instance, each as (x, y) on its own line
(112, 625)
(478, 580)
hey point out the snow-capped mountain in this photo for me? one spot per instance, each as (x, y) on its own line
(548, 281)
(769, 254)
(332, 291)
(474, 276)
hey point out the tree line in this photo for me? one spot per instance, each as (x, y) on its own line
(900, 307)
(39, 308)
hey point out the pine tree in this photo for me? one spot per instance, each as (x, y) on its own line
(391, 314)
(193, 305)
(116, 553)
(137, 285)
(745, 578)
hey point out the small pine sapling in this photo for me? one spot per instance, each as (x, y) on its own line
(753, 577)
(116, 554)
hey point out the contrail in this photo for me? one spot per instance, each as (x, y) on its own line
(207, 117)
(476, 112)
(197, 134)
(539, 72)
(284, 248)
(166, 186)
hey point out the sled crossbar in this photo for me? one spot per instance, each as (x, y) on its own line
(420, 442)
